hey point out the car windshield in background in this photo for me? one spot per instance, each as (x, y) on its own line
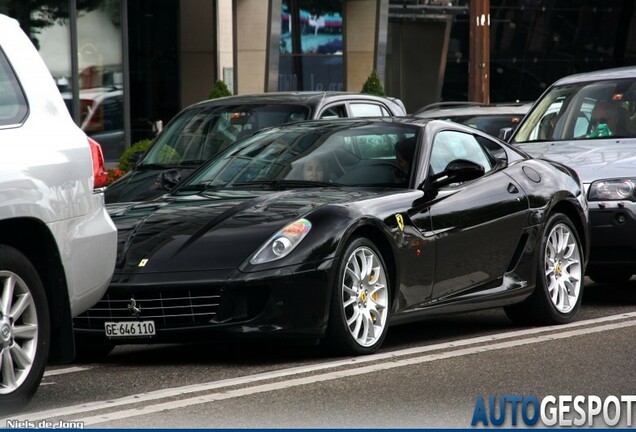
(583, 111)
(201, 132)
(360, 156)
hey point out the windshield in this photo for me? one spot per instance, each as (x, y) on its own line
(201, 132)
(491, 124)
(362, 155)
(582, 112)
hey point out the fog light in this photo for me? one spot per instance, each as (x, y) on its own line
(621, 218)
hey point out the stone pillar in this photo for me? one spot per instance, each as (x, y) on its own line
(197, 47)
(251, 35)
(361, 40)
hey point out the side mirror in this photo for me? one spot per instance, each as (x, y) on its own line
(457, 171)
(505, 133)
(168, 179)
(135, 157)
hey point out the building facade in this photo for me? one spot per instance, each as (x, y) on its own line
(126, 67)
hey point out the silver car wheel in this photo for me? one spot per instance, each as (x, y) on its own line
(563, 268)
(18, 331)
(365, 296)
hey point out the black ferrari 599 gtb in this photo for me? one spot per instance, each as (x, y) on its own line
(335, 230)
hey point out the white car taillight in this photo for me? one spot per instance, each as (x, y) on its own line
(99, 170)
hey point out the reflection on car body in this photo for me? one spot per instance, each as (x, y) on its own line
(251, 245)
(588, 121)
(101, 117)
(206, 128)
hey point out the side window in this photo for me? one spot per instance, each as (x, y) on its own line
(366, 110)
(333, 112)
(13, 106)
(451, 145)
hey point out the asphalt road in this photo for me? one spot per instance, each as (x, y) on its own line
(428, 374)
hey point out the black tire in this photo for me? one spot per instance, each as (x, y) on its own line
(610, 275)
(15, 394)
(541, 307)
(371, 302)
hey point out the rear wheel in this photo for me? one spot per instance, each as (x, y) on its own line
(557, 296)
(360, 300)
(24, 330)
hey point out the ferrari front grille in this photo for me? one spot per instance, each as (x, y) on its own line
(169, 308)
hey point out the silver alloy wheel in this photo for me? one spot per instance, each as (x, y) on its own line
(365, 296)
(563, 268)
(18, 331)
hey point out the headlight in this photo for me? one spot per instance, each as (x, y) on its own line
(282, 243)
(620, 189)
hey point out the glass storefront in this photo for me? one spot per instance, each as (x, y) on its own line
(92, 82)
(534, 43)
(312, 58)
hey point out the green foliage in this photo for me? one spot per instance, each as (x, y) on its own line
(373, 86)
(139, 146)
(219, 90)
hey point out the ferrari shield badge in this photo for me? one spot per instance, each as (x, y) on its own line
(400, 221)
(143, 262)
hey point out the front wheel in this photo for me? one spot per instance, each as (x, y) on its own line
(557, 296)
(360, 300)
(24, 330)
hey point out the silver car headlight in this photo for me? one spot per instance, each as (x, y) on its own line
(615, 189)
(282, 243)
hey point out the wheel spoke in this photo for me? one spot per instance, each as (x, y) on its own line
(24, 301)
(356, 329)
(7, 295)
(354, 275)
(20, 357)
(354, 316)
(25, 331)
(8, 374)
(352, 292)
(349, 302)
(366, 321)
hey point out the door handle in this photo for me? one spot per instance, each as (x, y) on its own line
(512, 188)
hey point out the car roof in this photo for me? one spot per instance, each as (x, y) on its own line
(451, 109)
(310, 98)
(600, 75)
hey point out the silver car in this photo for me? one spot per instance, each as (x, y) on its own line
(57, 243)
(588, 121)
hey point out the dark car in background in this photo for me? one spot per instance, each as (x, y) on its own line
(488, 118)
(206, 128)
(588, 121)
(336, 230)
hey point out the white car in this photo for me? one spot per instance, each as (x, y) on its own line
(57, 243)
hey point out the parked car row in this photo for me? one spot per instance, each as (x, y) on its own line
(323, 216)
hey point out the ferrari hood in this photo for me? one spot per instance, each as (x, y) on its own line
(210, 231)
(592, 160)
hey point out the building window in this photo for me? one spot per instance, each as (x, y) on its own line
(312, 57)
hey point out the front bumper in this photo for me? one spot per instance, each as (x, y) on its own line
(287, 302)
(613, 235)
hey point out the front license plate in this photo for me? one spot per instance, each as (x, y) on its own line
(129, 328)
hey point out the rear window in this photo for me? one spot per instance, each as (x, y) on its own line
(13, 106)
